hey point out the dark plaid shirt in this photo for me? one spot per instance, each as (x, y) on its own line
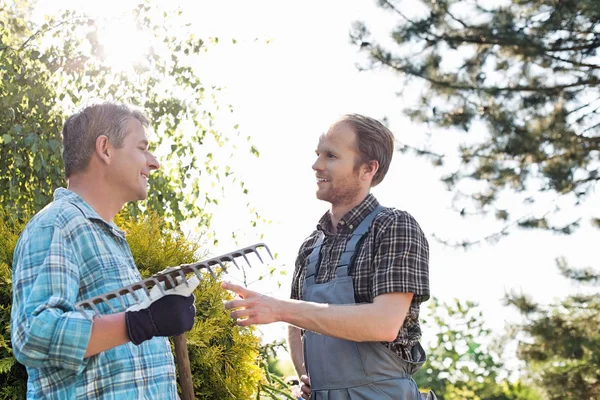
(393, 257)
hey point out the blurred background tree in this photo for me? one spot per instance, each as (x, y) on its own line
(465, 361)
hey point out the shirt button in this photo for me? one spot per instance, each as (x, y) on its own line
(342, 222)
(351, 226)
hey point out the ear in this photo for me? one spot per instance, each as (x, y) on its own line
(369, 169)
(103, 149)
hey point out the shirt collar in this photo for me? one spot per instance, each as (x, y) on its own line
(85, 208)
(351, 219)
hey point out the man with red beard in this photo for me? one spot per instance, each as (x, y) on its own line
(359, 280)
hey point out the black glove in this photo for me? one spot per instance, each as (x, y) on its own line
(170, 315)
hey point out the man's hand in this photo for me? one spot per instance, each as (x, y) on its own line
(253, 308)
(305, 386)
(170, 315)
(367, 322)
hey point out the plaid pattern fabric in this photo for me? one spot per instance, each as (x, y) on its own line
(393, 257)
(67, 253)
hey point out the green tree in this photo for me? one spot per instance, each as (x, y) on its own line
(521, 78)
(526, 70)
(48, 69)
(563, 349)
(464, 360)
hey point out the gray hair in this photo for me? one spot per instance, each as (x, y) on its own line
(81, 130)
(374, 141)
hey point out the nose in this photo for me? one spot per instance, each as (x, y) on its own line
(153, 163)
(317, 165)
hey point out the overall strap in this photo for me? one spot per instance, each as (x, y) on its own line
(313, 261)
(357, 234)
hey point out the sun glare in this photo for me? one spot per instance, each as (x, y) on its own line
(125, 46)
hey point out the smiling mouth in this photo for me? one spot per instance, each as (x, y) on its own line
(144, 176)
(322, 180)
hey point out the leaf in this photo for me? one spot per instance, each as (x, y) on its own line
(6, 364)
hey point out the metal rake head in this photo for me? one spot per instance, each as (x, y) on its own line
(170, 278)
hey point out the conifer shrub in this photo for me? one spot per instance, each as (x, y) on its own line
(225, 359)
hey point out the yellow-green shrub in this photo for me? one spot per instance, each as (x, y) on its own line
(224, 358)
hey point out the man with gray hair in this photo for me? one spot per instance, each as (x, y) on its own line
(359, 280)
(72, 250)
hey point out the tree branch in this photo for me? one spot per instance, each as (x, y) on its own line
(395, 9)
(518, 88)
(579, 64)
(48, 29)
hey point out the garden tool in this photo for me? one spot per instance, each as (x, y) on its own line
(172, 280)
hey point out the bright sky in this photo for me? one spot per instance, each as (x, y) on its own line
(287, 92)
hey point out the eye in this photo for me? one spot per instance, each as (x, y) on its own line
(330, 155)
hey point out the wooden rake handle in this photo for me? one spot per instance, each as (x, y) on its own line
(182, 359)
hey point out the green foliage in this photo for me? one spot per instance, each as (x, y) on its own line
(274, 385)
(13, 377)
(562, 343)
(522, 78)
(156, 244)
(30, 160)
(48, 70)
(226, 359)
(462, 362)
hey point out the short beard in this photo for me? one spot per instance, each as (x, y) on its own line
(344, 194)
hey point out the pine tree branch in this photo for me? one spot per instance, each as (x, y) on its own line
(458, 20)
(493, 90)
(589, 179)
(524, 42)
(576, 63)
(592, 139)
(396, 10)
(420, 151)
(582, 106)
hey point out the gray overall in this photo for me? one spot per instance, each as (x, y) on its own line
(345, 370)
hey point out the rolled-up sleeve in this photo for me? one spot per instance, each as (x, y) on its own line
(402, 259)
(46, 331)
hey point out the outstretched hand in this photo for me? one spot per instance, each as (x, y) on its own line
(252, 308)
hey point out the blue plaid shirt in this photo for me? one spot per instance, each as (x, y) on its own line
(68, 253)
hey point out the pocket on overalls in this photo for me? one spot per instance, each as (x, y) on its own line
(332, 362)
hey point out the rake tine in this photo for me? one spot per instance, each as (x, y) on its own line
(135, 296)
(123, 302)
(96, 311)
(234, 263)
(266, 248)
(171, 281)
(112, 309)
(211, 272)
(146, 290)
(182, 275)
(258, 255)
(160, 287)
(197, 273)
(246, 259)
